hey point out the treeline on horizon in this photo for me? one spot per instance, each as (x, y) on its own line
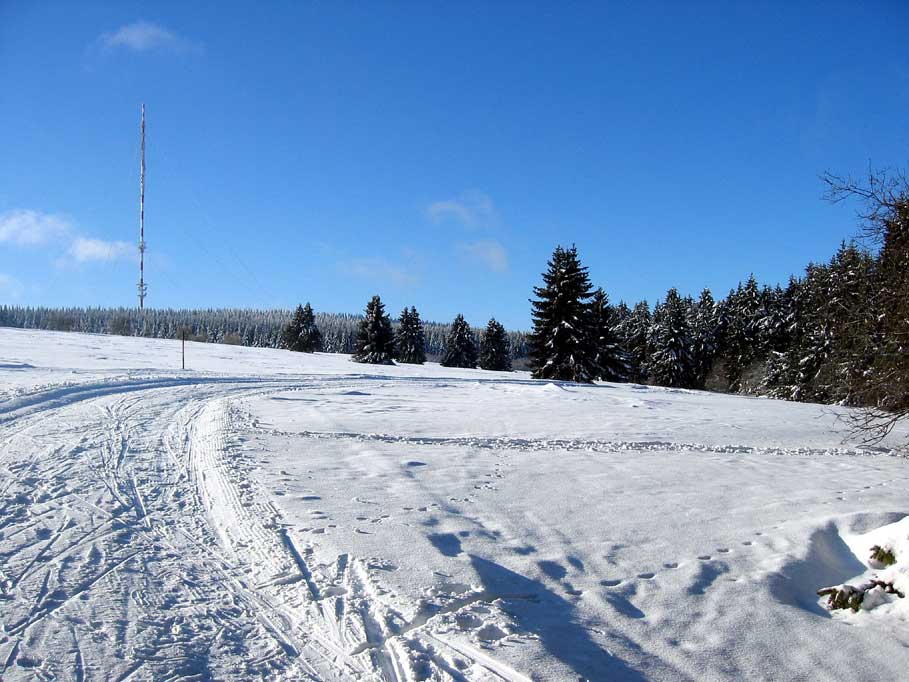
(235, 326)
(837, 334)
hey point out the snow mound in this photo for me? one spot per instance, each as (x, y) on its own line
(840, 556)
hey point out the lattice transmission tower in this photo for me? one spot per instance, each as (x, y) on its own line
(142, 287)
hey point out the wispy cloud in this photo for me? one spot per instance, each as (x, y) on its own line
(144, 36)
(10, 287)
(24, 227)
(378, 270)
(28, 228)
(471, 209)
(85, 250)
(487, 253)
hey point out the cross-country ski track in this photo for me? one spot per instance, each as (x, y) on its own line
(400, 524)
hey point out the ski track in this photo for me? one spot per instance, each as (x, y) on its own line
(132, 540)
(602, 446)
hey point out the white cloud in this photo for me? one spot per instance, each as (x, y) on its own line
(488, 253)
(30, 228)
(10, 287)
(85, 249)
(377, 269)
(24, 227)
(472, 209)
(144, 36)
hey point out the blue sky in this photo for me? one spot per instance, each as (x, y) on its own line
(433, 152)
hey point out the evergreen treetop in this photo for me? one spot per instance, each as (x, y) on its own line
(561, 347)
(495, 351)
(461, 350)
(410, 340)
(671, 362)
(301, 333)
(375, 338)
(609, 359)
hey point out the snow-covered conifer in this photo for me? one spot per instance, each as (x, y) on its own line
(609, 359)
(495, 351)
(375, 339)
(410, 340)
(301, 334)
(704, 324)
(634, 332)
(561, 347)
(671, 363)
(461, 346)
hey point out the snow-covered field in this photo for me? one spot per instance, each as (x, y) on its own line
(270, 515)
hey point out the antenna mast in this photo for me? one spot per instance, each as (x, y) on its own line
(142, 287)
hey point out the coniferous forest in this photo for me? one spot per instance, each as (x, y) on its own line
(836, 334)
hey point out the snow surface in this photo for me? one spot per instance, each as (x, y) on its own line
(268, 514)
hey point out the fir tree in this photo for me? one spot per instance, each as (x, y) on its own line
(495, 351)
(635, 332)
(301, 333)
(375, 339)
(461, 347)
(609, 358)
(561, 347)
(671, 363)
(704, 324)
(410, 340)
(743, 341)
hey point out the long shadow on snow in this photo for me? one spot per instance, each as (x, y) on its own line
(552, 619)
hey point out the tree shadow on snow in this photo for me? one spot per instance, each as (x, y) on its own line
(552, 619)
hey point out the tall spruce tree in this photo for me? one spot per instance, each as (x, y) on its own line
(743, 339)
(671, 363)
(495, 350)
(609, 359)
(704, 325)
(375, 338)
(410, 340)
(561, 347)
(461, 346)
(301, 333)
(635, 332)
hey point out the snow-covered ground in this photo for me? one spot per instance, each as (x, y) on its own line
(274, 515)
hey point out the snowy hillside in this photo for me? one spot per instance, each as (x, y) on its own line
(268, 514)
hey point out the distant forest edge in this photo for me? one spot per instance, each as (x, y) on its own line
(837, 334)
(235, 326)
